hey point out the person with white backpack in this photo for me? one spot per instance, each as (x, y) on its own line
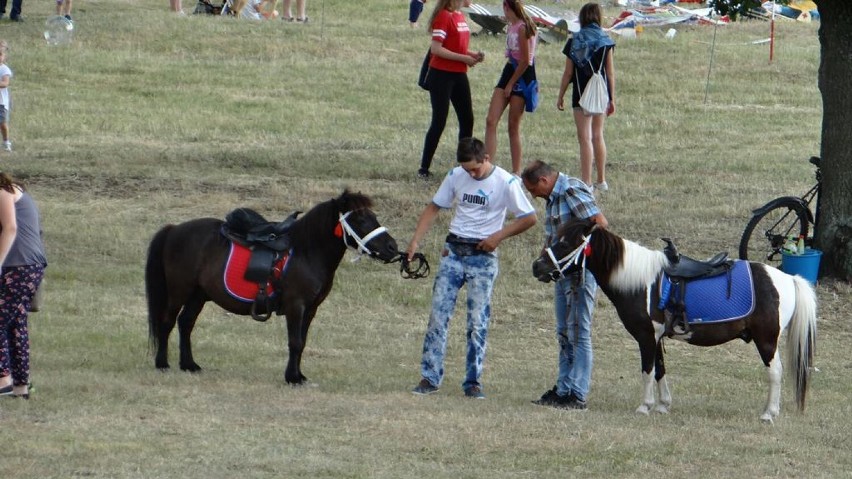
(589, 66)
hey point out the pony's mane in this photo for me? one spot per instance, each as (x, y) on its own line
(317, 223)
(619, 263)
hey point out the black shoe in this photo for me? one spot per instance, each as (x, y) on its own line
(17, 19)
(424, 174)
(574, 403)
(6, 391)
(68, 17)
(553, 399)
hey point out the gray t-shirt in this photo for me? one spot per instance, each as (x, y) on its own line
(28, 248)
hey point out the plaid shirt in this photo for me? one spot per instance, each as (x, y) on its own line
(570, 198)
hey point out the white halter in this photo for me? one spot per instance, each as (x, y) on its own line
(575, 257)
(361, 243)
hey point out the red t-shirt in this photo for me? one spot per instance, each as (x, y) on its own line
(450, 28)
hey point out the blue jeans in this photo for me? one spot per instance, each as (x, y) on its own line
(479, 273)
(574, 303)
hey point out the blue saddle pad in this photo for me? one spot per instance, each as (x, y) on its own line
(707, 300)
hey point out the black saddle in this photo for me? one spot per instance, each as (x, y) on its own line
(250, 228)
(268, 242)
(682, 266)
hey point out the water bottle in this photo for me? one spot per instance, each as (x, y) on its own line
(790, 246)
(800, 246)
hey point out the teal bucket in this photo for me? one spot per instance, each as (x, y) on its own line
(805, 265)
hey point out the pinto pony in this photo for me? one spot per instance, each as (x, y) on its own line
(186, 263)
(630, 276)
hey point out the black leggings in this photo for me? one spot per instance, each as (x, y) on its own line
(445, 88)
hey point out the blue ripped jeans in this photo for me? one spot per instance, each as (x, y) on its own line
(575, 303)
(479, 273)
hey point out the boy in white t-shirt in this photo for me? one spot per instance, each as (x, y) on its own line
(481, 194)
(5, 77)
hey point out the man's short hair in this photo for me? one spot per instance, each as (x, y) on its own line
(470, 149)
(537, 170)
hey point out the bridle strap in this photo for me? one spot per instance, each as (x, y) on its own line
(360, 243)
(575, 257)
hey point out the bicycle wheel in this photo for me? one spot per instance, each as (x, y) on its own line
(771, 225)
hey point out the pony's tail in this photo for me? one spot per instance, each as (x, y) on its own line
(801, 338)
(155, 286)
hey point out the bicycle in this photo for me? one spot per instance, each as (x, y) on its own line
(771, 224)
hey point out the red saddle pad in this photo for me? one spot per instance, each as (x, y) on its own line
(235, 270)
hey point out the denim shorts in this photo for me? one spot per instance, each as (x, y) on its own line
(3, 114)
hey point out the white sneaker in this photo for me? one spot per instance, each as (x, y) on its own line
(7, 146)
(602, 186)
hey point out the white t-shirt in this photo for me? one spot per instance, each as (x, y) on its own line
(481, 205)
(4, 92)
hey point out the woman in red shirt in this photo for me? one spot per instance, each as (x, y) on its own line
(447, 81)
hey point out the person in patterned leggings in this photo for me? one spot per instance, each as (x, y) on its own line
(23, 259)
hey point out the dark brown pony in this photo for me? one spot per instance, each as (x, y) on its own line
(629, 275)
(186, 263)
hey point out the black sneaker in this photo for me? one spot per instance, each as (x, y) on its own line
(553, 399)
(575, 403)
(424, 174)
(547, 398)
(474, 392)
(424, 388)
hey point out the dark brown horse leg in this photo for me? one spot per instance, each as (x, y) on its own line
(161, 361)
(295, 343)
(186, 321)
(298, 322)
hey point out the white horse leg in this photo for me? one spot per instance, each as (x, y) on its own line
(773, 403)
(664, 395)
(648, 393)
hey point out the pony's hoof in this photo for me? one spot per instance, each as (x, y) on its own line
(643, 409)
(300, 381)
(191, 368)
(661, 409)
(766, 419)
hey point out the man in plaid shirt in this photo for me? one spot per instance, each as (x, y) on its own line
(574, 297)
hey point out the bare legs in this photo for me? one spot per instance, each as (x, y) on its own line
(592, 145)
(176, 6)
(495, 112)
(287, 13)
(63, 8)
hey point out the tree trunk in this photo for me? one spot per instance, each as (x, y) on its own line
(834, 228)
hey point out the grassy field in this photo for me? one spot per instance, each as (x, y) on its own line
(148, 118)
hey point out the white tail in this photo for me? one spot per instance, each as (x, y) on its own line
(801, 338)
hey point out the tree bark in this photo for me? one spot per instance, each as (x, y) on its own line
(834, 227)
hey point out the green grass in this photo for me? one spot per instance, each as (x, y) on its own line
(148, 118)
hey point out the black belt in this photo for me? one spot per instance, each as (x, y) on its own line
(462, 246)
(456, 239)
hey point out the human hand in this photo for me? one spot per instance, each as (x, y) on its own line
(507, 92)
(489, 244)
(560, 103)
(611, 108)
(412, 248)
